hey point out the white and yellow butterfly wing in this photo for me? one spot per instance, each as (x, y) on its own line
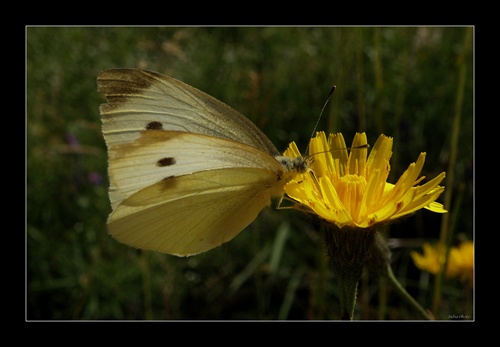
(190, 214)
(187, 173)
(139, 100)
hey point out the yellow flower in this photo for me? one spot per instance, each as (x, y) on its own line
(460, 260)
(430, 260)
(349, 190)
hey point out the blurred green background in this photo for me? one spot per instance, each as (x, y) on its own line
(412, 83)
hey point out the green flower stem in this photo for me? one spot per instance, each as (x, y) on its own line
(405, 295)
(348, 249)
(347, 295)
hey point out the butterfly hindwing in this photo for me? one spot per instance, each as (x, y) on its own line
(193, 213)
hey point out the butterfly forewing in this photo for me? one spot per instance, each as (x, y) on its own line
(139, 99)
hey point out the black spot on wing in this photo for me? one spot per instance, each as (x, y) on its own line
(154, 126)
(168, 183)
(165, 162)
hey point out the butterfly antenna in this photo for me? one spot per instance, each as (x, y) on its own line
(320, 114)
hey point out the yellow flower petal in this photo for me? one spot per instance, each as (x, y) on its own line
(436, 207)
(292, 151)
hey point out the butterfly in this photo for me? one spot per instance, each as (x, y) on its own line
(187, 172)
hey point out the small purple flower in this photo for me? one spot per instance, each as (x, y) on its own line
(95, 178)
(72, 140)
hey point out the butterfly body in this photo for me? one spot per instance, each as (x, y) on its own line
(187, 172)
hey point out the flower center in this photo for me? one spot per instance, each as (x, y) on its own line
(351, 189)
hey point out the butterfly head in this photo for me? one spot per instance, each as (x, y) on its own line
(297, 165)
